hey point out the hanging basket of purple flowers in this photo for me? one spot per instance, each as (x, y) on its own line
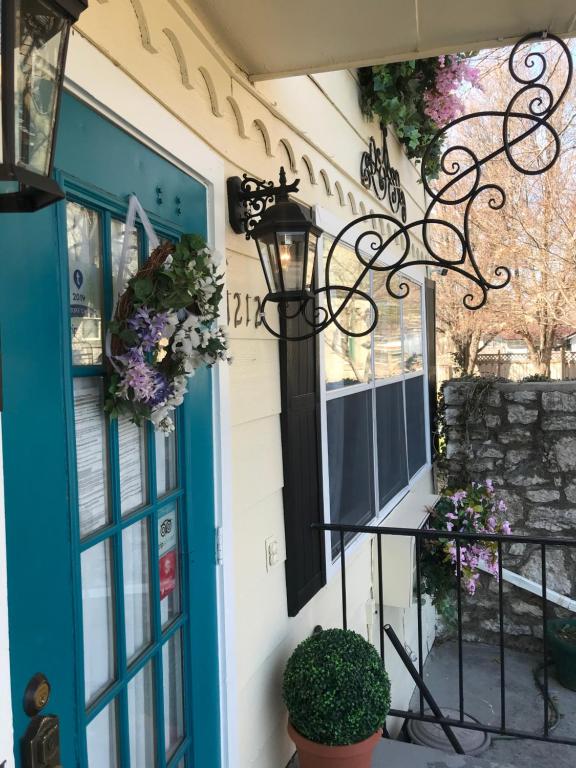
(471, 510)
(163, 330)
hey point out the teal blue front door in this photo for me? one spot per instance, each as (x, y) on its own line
(110, 526)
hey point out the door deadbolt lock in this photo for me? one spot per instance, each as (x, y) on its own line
(37, 694)
(41, 743)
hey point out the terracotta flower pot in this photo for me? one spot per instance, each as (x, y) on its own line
(314, 755)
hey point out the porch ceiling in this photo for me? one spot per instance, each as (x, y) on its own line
(277, 38)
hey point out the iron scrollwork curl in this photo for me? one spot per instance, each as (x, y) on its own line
(249, 197)
(377, 173)
(333, 303)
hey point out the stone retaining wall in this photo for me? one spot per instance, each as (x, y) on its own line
(523, 438)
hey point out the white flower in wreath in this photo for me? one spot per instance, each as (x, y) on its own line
(162, 420)
(191, 321)
(168, 261)
(216, 258)
(206, 285)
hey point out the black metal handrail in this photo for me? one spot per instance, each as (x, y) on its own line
(425, 534)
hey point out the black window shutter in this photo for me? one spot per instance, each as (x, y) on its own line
(305, 563)
(430, 299)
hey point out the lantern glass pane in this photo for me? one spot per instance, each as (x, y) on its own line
(310, 264)
(40, 37)
(267, 249)
(291, 254)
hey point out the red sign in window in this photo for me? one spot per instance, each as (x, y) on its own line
(167, 573)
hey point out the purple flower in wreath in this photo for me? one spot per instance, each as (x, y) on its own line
(150, 326)
(139, 380)
(163, 391)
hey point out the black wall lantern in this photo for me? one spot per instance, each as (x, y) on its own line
(284, 233)
(34, 41)
(286, 238)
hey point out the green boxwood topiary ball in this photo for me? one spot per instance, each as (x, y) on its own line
(336, 688)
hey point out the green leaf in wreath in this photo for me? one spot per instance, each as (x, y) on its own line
(130, 338)
(143, 288)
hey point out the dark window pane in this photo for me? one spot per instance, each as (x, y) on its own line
(392, 464)
(415, 424)
(350, 460)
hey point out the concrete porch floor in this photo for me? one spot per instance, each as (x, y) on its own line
(524, 704)
(397, 754)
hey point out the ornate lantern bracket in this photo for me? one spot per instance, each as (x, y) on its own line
(248, 198)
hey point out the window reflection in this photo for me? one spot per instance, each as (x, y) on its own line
(412, 309)
(85, 283)
(347, 359)
(388, 331)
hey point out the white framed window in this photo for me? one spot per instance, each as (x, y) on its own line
(373, 392)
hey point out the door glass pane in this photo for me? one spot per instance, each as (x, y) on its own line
(388, 333)
(91, 455)
(132, 460)
(166, 474)
(168, 549)
(85, 284)
(136, 559)
(412, 317)
(141, 719)
(347, 359)
(98, 619)
(173, 693)
(130, 267)
(102, 739)
(40, 36)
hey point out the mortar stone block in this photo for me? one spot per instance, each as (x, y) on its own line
(565, 452)
(493, 398)
(543, 495)
(492, 420)
(452, 416)
(544, 519)
(455, 394)
(514, 435)
(518, 456)
(521, 397)
(570, 491)
(557, 577)
(489, 451)
(526, 480)
(559, 421)
(559, 401)
(518, 414)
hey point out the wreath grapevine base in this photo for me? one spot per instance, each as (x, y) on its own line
(163, 331)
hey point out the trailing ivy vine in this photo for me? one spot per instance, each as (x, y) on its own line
(472, 412)
(417, 98)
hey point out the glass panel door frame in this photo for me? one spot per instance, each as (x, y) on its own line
(109, 208)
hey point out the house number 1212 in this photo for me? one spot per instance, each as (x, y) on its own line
(243, 309)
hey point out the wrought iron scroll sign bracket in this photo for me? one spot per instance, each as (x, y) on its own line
(462, 188)
(248, 198)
